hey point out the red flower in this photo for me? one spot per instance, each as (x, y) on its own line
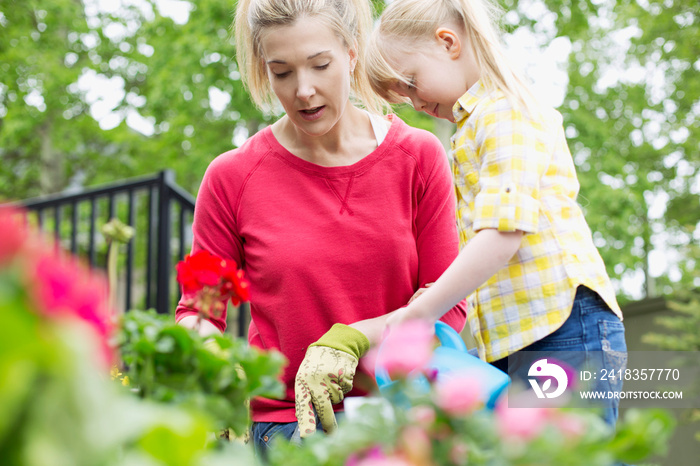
(233, 284)
(213, 281)
(199, 270)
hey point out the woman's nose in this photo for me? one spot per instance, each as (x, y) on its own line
(305, 88)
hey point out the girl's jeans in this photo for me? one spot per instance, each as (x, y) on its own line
(592, 338)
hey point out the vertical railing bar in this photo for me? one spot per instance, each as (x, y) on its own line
(40, 219)
(111, 208)
(164, 233)
(130, 250)
(183, 220)
(74, 228)
(149, 246)
(242, 319)
(93, 221)
(57, 225)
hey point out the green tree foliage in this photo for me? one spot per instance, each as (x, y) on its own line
(184, 79)
(46, 131)
(631, 114)
(630, 110)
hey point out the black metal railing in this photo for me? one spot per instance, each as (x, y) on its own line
(161, 213)
(151, 205)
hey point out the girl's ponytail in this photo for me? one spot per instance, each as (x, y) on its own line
(406, 21)
(482, 19)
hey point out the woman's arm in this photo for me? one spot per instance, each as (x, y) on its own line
(215, 230)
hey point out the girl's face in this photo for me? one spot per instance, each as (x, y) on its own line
(309, 69)
(440, 71)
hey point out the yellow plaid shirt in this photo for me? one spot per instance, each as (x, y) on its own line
(513, 172)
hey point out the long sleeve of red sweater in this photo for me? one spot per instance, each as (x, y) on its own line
(322, 245)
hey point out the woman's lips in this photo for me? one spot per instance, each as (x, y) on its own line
(311, 114)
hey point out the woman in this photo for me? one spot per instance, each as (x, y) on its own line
(336, 214)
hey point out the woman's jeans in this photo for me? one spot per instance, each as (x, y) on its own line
(592, 338)
(264, 433)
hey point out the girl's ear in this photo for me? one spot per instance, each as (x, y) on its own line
(450, 41)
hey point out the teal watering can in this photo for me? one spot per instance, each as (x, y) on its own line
(450, 359)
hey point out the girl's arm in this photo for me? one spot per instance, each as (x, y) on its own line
(484, 255)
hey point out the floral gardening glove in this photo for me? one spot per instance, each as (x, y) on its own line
(325, 376)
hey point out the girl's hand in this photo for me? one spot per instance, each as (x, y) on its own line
(420, 292)
(404, 314)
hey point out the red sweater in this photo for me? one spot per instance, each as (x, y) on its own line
(322, 245)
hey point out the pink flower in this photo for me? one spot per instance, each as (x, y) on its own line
(408, 347)
(65, 288)
(458, 395)
(14, 233)
(571, 426)
(422, 415)
(375, 457)
(459, 453)
(415, 445)
(520, 423)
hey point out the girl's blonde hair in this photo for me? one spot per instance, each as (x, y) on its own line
(405, 21)
(351, 20)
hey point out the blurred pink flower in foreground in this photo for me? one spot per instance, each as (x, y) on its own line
(375, 457)
(59, 285)
(458, 395)
(409, 346)
(571, 426)
(14, 233)
(520, 423)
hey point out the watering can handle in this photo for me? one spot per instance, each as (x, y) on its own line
(448, 337)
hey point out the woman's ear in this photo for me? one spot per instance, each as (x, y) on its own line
(450, 41)
(352, 51)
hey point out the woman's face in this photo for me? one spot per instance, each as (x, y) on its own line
(309, 69)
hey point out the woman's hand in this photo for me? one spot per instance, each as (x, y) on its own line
(326, 375)
(203, 326)
(420, 292)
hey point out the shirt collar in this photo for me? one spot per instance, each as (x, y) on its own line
(465, 105)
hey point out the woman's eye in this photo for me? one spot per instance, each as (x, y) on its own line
(322, 67)
(284, 74)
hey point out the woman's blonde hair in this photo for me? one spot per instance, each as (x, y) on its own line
(351, 20)
(405, 21)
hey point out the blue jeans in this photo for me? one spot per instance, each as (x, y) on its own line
(263, 434)
(592, 338)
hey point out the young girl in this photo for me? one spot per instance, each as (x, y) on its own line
(535, 279)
